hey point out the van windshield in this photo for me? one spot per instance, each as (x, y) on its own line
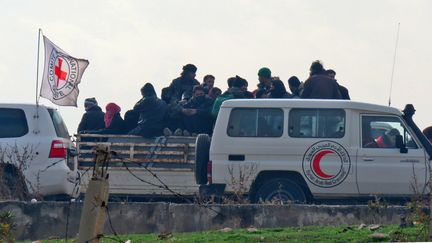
(59, 125)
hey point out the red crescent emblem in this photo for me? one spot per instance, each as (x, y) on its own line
(316, 164)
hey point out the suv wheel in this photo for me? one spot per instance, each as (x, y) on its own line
(202, 149)
(280, 190)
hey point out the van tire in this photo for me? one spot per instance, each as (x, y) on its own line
(202, 149)
(282, 190)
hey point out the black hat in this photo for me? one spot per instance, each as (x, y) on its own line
(148, 90)
(239, 82)
(90, 102)
(190, 68)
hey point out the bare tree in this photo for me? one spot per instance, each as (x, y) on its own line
(14, 161)
(238, 182)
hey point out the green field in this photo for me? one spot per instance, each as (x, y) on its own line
(297, 234)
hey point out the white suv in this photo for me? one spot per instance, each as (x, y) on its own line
(300, 150)
(35, 139)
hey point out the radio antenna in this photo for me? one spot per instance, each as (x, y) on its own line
(394, 62)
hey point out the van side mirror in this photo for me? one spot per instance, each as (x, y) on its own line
(401, 145)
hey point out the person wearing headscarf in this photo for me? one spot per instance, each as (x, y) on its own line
(114, 123)
(93, 118)
(152, 112)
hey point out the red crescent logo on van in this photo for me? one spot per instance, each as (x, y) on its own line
(316, 164)
(326, 164)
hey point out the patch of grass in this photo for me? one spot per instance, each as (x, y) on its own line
(293, 234)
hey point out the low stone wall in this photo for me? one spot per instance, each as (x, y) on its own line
(44, 220)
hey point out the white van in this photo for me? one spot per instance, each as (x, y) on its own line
(300, 150)
(36, 140)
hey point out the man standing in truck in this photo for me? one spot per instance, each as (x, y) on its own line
(183, 84)
(319, 85)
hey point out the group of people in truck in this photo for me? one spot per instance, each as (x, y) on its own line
(187, 107)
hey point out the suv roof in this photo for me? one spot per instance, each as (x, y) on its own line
(309, 103)
(22, 105)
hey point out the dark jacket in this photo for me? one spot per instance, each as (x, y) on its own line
(344, 92)
(262, 88)
(206, 88)
(131, 118)
(321, 87)
(249, 95)
(152, 111)
(93, 119)
(117, 126)
(202, 121)
(179, 86)
(276, 95)
(203, 105)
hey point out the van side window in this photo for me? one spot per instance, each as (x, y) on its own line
(13, 123)
(381, 131)
(255, 122)
(316, 123)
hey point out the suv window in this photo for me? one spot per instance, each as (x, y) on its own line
(255, 122)
(59, 125)
(381, 131)
(316, 123)
(13, 123)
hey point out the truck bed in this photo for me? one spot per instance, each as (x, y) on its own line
(167, 159)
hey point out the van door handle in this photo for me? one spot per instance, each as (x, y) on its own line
(368, 159)
(236, 157)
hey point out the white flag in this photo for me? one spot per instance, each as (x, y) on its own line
(61, 76)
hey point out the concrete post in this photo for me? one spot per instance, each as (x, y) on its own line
(95, 201)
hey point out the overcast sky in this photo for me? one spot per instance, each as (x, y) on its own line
(129, 43)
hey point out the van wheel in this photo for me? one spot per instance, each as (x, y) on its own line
(280, 190)
(202, 149)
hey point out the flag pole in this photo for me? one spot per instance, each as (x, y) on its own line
(37, 68)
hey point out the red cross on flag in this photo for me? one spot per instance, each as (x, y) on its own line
(61, 76)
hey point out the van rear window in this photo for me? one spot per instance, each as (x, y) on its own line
(316, 123)
(13, 123)
(255, 122)
(59, 125)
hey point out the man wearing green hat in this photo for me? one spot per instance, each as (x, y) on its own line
(265, 80)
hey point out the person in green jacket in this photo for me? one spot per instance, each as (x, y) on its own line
(235, 91)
